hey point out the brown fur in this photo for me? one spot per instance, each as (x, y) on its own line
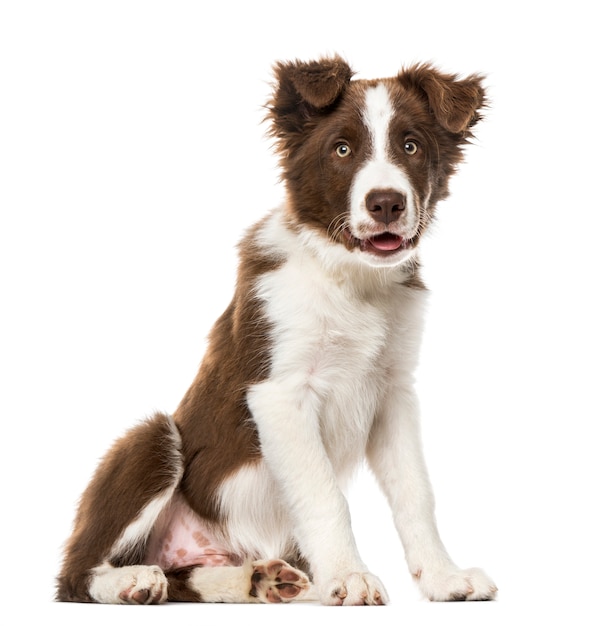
(178, 586)
(218, 435)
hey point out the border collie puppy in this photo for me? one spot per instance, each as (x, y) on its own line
(237, 496)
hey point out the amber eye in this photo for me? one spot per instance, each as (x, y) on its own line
(410, 147)
(343, 150)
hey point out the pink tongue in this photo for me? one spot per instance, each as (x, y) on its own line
(386, 241)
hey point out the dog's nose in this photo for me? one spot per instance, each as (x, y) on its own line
(385, 206)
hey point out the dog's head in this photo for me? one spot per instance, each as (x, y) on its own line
(366, 161)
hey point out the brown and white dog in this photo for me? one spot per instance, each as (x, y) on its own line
(308, 372)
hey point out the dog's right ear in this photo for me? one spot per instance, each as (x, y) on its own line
(304, 89)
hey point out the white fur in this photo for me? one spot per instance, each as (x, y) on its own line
(254, 529)
(117, 585)
(223, 584)
(381, 173)
(143, 524)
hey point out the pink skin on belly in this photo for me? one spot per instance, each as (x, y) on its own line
(183, 539)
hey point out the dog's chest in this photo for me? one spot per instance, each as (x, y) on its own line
(333, 344)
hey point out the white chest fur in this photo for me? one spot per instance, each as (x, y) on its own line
(340, 341)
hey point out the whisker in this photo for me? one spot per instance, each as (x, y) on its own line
(337, 226)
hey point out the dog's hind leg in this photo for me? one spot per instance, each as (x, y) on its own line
(131, 487)
(269, 581)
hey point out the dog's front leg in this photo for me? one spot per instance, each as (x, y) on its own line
(396, 458)
(286, 416)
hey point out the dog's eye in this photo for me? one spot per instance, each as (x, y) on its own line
(343, 150)
(410, 147)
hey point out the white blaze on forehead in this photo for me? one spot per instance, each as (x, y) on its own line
(379, 171)
(377, 115)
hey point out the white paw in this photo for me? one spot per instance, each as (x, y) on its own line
(357, 588)
(456, 584)
(134, 584)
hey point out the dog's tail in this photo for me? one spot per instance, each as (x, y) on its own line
(131, 487)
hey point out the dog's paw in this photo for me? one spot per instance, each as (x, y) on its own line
(136, 584)
(456, 585)
(357, 588)
(276, 581)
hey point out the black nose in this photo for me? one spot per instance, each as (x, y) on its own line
(385, 206)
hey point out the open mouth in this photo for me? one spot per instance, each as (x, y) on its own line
(384, 244)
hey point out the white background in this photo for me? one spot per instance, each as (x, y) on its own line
(132, 158)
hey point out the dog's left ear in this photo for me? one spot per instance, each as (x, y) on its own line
(455, 103)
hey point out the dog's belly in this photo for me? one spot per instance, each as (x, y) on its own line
(181, 538)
